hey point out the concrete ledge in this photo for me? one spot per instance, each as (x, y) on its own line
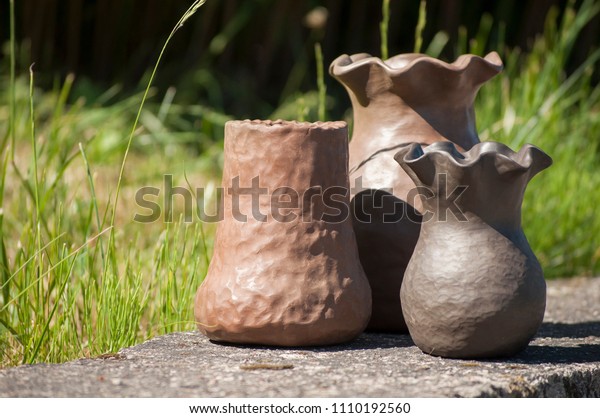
(563, 361)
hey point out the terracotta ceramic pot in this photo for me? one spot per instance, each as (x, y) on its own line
(289, 274)
(407, 98)
(473, 287)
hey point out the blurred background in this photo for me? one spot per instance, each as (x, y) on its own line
(234, 51)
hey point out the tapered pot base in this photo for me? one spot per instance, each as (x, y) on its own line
(285, 268)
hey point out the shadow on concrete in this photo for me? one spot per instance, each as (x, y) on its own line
(533, 354)
(561, 330)
(541, 354)
(367, 341)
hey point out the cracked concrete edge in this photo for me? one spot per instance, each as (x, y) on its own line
(564, 384)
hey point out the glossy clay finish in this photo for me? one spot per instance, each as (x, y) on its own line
(407, 98)
(293, 283)
(473, 287)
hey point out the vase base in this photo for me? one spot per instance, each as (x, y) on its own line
(474, 355)
(386, 229)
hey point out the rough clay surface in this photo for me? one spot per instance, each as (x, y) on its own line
(563, 360)
(294, 277)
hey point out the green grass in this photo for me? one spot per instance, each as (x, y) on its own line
(534, 101)
(384, 28)
(420, 26)
(78, 277)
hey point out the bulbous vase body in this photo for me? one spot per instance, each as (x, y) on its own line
(473, 287)
(407, 98)
(285, 268)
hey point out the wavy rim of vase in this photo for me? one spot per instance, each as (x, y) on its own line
(505, 159)
(345, 64)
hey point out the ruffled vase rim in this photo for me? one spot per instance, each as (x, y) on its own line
(505, 159)
(347, 63)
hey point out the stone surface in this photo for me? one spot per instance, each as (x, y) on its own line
(563, 360)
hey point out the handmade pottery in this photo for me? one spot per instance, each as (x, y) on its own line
(407, 98)
(289, 274)
(473, 287)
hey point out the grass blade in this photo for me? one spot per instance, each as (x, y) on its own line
(420, 26)
(13, 90)
(93, 191)
(321, 82)
(188, 14)
(384, 28)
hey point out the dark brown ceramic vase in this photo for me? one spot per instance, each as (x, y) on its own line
(288, 274)
(473, 287)
(407, 98)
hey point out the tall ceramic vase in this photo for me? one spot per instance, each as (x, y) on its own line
(473, 287)
(407, 98)
(285, 268)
